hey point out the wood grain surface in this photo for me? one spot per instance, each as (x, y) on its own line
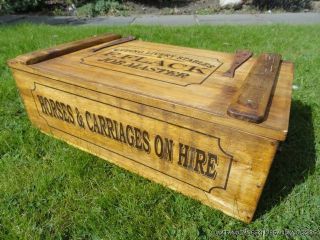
(160, 111)
(251, 103)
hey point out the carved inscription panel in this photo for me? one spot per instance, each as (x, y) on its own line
(187, 155)
(165, 66)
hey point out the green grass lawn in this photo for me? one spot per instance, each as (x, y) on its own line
(50, 190)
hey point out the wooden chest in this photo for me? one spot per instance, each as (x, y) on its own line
(167, 113)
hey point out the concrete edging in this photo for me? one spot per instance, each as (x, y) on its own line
(170, 20)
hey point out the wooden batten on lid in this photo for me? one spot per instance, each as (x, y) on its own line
(204, 123)
(253, 98)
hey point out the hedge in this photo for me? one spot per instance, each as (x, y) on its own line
(290, 5)
(104, 6)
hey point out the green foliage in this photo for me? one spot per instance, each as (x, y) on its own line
(100, 7)
(87, 10)
(51, 190)
(104, 6)
(290, 5)
(3, 6)
(21, 6)
(85, 7)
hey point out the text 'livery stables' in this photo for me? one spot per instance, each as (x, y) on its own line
(204, 123)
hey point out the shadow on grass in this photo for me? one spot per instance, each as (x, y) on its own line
(294, 161)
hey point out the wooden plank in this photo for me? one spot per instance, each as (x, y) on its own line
(63, 49)
(251, 103)
(116, 42)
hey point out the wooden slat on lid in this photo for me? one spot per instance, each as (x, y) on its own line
(251, 102)
(46, 54)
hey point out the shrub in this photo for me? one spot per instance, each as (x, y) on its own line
(21, 6)
(100, 7)
(86, 10)
(85, 7)
(290, 5)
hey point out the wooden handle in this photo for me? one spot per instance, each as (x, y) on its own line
(115, 42)
(240, 57)
(251, 102)
(46, 54)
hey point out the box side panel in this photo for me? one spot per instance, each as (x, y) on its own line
(221, 167)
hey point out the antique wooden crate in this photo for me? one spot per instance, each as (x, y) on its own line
(167, 113)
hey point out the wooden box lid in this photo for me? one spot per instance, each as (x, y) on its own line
(182, 80)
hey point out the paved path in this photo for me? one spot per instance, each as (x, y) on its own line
(172, 20)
